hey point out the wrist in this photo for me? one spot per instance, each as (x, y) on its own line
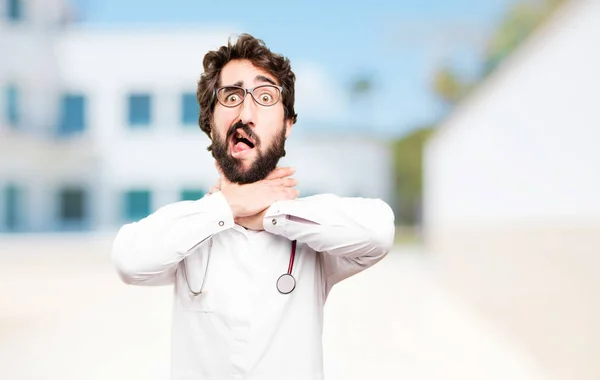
(235, 207)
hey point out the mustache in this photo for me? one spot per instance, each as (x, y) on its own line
(244, 127)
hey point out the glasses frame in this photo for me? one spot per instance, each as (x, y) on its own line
(248, 91)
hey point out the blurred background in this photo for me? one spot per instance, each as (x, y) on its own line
(477, 122)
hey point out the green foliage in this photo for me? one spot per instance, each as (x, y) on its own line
(408, 169)
(449, 86)
(520, 20)
(362, 85)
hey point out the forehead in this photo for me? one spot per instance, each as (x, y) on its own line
(244, 72)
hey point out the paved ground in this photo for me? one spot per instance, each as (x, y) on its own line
(65, 315)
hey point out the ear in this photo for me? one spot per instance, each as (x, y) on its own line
(288, 127)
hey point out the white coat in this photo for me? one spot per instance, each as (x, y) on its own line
(241, 326)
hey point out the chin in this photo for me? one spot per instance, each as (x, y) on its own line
(247, 157)
(246, 164)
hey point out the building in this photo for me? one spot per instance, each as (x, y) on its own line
(98, 126)
(512, 196)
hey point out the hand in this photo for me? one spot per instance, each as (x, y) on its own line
(253, 222)
(254, 198)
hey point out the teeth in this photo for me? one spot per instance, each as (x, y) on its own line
(238, 136)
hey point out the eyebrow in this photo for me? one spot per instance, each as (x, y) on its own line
(258, 78)
(263, 78)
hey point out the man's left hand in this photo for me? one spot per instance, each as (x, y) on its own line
(253, 222)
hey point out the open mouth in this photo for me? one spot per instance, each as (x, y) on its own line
(241, 143)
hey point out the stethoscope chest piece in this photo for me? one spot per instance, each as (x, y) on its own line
(286, 283)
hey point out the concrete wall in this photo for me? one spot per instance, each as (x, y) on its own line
(512, 205)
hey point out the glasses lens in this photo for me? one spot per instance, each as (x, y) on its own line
(266, 95)
(230, 96)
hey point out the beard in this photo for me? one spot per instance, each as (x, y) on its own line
(263, 164)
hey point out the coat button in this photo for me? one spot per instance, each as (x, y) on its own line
(221, 223)
(274, 221)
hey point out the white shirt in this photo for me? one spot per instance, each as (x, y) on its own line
(241, 326)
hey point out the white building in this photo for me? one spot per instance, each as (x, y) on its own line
(99, 127)
(512, 196)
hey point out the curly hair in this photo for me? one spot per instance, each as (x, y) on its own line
(254, 50)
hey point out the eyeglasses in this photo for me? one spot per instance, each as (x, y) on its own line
(232, 96)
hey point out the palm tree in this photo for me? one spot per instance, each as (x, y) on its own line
(361, 90)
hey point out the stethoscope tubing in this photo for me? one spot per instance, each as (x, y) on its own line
(292, 256)
(288, 274)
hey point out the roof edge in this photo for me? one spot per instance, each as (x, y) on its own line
(519, 55)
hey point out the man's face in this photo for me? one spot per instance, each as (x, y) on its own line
(248, 139)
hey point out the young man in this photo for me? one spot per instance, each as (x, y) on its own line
(251, 263)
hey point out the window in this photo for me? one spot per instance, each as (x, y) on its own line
(72, 115)
(72, 206)
(137, 204)
(12, 203)
(12, 106)
(14, 10)
(191, 194)
(139, 109)
(190, 111)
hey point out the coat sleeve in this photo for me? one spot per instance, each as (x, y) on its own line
(351, 234)
(148, 251)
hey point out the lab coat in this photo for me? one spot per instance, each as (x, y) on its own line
(241, 326)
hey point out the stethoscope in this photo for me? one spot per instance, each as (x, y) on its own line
(286, 283)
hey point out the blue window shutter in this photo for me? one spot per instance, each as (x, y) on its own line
(72, 205)
(191, 194)
(72, 119)
(190, 111)
(12, 206)
(139, 109)
(137, 204)
(15, 10)
(12, 106)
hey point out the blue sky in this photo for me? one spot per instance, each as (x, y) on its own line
(398, 44)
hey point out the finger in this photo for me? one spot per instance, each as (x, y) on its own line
(281, 172)
(284, 182)
(288, 182)
(290, 193)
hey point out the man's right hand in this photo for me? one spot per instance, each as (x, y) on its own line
(253, 198)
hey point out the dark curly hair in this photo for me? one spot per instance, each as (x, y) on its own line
(255, 51)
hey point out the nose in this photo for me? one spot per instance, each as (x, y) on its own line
(248, 110)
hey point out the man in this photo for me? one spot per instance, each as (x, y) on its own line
(251, 263)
